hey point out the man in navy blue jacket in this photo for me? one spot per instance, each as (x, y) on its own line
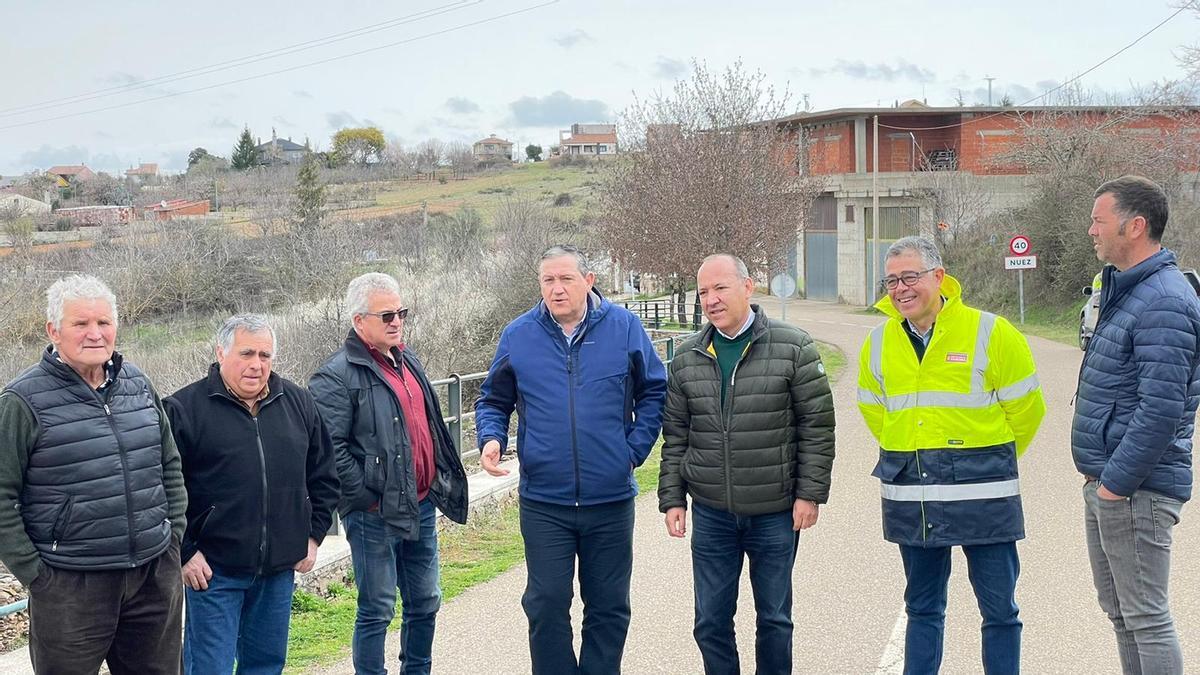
(588, 389)
(1134, 417)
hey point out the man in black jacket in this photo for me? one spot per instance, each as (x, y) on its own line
(748, 434)
(398, 466)
(259, 470)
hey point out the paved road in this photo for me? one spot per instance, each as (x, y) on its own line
(848, 581)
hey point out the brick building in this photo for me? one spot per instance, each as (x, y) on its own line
(920, 149)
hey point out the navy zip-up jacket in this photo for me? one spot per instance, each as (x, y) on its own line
(587, 413)
(1135, 410)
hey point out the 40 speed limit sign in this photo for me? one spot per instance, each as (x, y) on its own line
(1019, 245)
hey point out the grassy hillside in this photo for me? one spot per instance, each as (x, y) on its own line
(539, 181)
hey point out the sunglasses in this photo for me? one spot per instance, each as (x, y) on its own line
(388, 317)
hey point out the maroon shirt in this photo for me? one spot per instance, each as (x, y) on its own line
(412, 403)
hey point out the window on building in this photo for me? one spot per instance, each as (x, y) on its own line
(849, 213)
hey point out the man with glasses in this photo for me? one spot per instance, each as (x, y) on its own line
(398, 466)
(588, 390)
(952, 395)
(1135, 414)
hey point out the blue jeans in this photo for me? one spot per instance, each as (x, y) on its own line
(240, 616)
(601, 537)
(384, 563)
(1129, 545)
(993, 570)
(720, 542)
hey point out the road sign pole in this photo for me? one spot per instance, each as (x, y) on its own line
(1021, 293)
(782, 309)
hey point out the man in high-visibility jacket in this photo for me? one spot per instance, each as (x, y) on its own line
(952, 395)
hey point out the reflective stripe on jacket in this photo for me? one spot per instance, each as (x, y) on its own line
(951, 426)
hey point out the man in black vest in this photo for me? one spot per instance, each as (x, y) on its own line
(91, 497)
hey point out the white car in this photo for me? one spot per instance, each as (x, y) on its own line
(1090, 312)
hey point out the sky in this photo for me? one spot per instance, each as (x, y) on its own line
(112, 84)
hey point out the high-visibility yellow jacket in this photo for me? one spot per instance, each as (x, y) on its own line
(950, 426)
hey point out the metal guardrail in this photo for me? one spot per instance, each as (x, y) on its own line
(658, 313)
(454, 398)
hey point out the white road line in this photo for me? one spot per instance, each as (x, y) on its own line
(892, 661)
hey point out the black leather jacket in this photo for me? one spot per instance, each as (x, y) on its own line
(371, 443)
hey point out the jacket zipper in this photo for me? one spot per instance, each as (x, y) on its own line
(571, 408)
(726, 416)
(262, 458)
(125, 471)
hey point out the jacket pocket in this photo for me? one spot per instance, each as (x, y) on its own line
(374, 473)
(62, 521)
(195, 530)
(889, 466)
(975, 466)
(1105, 427)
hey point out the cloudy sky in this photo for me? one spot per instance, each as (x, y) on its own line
(113, 83)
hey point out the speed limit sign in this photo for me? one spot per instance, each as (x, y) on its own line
(1019, 245)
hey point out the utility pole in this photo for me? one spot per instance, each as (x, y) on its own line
(989, 81)
(874, 254)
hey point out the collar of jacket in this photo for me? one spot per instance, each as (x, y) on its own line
(951, 290)
(756, 329)
(64, 371)
(1116, 283)
(358, 354)
(216, 386)
(598, 306)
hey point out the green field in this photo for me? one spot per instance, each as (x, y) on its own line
(541, 182)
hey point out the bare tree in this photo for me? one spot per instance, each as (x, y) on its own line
(460, 157)
(430, 154)
(706, 171)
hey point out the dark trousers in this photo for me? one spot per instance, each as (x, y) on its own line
(721, 541)
(993, 570)
(130, 618)
(601, 537)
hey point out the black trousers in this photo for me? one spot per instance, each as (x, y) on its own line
(130, 618)
(601, 538)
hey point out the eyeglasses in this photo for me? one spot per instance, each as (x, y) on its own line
(388, 317)
(907, 278)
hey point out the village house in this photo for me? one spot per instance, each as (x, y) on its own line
(595, 140)
(922, 149)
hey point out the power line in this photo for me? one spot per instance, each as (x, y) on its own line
(1046, 93)
(240, 61)
(310, 64)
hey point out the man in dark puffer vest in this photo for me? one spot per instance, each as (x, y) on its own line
(1135, 414)
(748, 433)
(91, 497)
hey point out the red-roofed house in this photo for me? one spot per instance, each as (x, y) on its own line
(171, 209)
(66, 175)
(143, 173)
(597, 140)
(492, 149)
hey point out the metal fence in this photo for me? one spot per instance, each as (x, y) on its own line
(457, 417)
(659, 314)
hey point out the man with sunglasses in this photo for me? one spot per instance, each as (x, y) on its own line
(398, 466)
(952, 395)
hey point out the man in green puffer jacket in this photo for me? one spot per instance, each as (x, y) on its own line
(748, 433)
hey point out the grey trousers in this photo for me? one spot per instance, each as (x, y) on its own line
(1129, 545)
